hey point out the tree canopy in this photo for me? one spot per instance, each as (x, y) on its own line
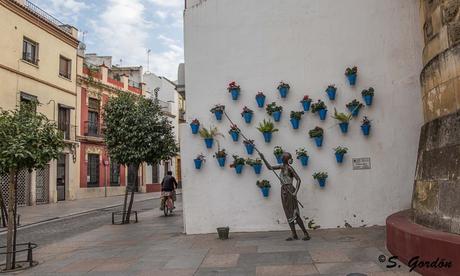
(136, 130)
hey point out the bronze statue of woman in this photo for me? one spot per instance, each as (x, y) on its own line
(289, 194)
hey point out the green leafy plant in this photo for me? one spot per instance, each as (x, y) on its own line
(277, 151)
(220, 153)
(234, 128)
(247, 110)
(342, 117)
(297, 114)
(368, 92)
(341, 150)
(237, 161)
(283, 85)
(252, 162)
(316, 132)
(318, 106)
(365, 121)
(263, 184)
(301, 152)
(320, 175)
(351, 71)
(218, 107)
(201, 157)
(331, 86)
(267, 126)
(272, 108)
(260, 94)
(355, 104)
(306, 98)
(209, 133)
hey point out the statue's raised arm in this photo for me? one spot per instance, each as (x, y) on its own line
(270, 167)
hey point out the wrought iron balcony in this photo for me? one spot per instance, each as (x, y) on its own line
(92, 129)
(68, 131)
(46, 16)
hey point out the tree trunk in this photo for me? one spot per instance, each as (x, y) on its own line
(124, 203)
(15, 215)
(131, 200)
(11, 219)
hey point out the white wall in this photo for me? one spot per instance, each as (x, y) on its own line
(307, 43)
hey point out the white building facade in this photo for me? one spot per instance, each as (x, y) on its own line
(308, 44)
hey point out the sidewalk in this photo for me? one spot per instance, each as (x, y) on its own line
(46, 212)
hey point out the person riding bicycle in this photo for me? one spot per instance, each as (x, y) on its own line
(168, 188)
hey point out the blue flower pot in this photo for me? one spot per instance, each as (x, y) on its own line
(344, 127)
(247, 117)
(198, 163)
(277, 116)
(267, 137)
(218, 115)
(195, 128)
(331, 93)
(366, 129)
(249, 148)
(209, 142)
(257, 168)
(319, 141)
(239, 169)
(295, 123)
(339, 157)
(306, 105)
(279, 159)
(235, 93)
(368, 99)
(260, 101)
(265, 191)
(322, 182)
(283, 91)
(322, 114)
(304, 160)
(352, 79)
(354, 111)
(235, 136)
(221, 161)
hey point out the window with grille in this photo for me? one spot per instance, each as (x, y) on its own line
(155, 173)
(64, 121)
(93, 170)
(114, 174)
(93, 117)
(65, 67)
(30, 51)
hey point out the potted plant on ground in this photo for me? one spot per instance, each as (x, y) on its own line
(306, 102)
(256, 164)
(283, 88)
(199, 161)
(234, 90)
(302, 155)
(339, 153)
(352, 74)
(366, 126)
(295, 118)
(264, 186)
(278, 152)
(317, 133)
(234, 132)
(267, 128)
(331, 90)
(343, 119)
(221, 157)
(275, 111)
(238, 164)
(195, 125)
(249, 145)
(321, 108)
(354, 107)
(218, 111)
(247, 114)
(208, 135)
(368, 95)
(260, 99)
(321, 177)
(223, 232)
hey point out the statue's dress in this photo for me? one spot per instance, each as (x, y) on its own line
(288, 199)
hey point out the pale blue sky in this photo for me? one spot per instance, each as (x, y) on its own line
(125, 29)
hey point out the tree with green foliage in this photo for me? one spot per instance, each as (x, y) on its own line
(28, 141)
(137, 131)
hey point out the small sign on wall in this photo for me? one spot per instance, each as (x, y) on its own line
(363, 163)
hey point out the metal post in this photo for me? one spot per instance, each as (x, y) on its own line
(29, 254)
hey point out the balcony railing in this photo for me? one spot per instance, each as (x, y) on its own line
(134, 84)
(46, 16)
(68, 131)
(92, 129)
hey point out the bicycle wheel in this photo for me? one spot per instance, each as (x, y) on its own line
(166, 210)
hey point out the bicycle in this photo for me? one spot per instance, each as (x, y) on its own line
(168, 203)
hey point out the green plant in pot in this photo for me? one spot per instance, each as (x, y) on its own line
(302, 155)
(221, 156)
(199, 160)
(238, 163)
(352, 74)
(283, 88)
(295, 118)
(208, 135)
(339, 153)
(264, 186)
(278, 152)
(275, 111)
(234, 132)
(344, 120)
(321, 178)
(267, 128)
(256, 164)
(354, 107)
(218, 110)
(368, 95)
(317, 133)
(320, 108)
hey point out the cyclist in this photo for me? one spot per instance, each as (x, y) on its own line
(168, 188)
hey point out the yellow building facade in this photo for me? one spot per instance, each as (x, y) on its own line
(38, 62)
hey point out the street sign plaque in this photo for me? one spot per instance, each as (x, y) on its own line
(363, 163)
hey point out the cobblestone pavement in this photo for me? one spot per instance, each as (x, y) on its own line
(157, 246)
